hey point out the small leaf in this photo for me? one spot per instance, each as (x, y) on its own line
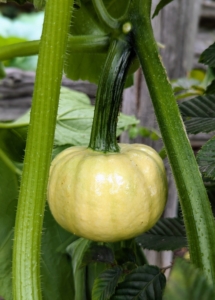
(211, 88)
(76, 251)
(208, 56)
(167, 234)
(187, 282)
(199, 114)
(160, 5)
(206, 159)
(97, 253)
(104, 286)
(184, 84)
(145, 283)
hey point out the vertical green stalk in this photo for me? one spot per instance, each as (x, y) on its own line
(196, 208)
(28, 228)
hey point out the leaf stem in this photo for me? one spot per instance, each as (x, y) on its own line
(9, 163)
(76, 44)
(198, 217)
(31, 203)
(104, 16)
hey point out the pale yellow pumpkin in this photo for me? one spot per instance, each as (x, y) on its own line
(107, 196)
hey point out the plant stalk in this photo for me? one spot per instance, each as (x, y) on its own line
(109, 96)
(31, 203)
(198, 217)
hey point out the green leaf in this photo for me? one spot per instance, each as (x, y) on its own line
(25, 27)
(211, 88)
(8, 202)
(57, 278)
(93, 271)
(206, 159)
(208, 56)
(98, 253)
(187, 282)
(73, 127)
(167, 234)
(184, 84)
(56, 272)
(76, 251)
(160, 5)
(87, 66)
(199, 114)
(104, 286)
(144, 283)
(12, 141)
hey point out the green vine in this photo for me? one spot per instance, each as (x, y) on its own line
(29, 219)
(196, 208)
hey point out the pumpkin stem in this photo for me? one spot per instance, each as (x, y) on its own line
(109, 95)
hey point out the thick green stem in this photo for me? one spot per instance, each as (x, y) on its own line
(76, 44)
(31, 203)
(109, 96)
(196, 209)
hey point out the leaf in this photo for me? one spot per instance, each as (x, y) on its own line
(199, 114)
(13, 141)
(184, 84)
(206, 159)
(167, 234)
(8, 203)
(187, 282)
(73, 127)
(56, 272)
(93, 271)
(24, 27)
(208, 56)
(160, 5)
(57, 278)
(144, 283)
(98, 253)
(88, 66)
(211, 88)
(76, 251)
(104, 286)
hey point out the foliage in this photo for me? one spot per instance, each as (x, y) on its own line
(167, 234)
(160, 5)
(24, 28)
(187, 282)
